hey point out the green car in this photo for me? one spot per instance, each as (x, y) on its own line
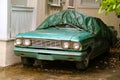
(65, 36)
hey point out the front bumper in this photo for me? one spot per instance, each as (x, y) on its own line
(45, 54)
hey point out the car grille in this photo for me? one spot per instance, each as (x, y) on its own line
(45, 43)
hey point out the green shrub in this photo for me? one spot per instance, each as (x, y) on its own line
(108, 6)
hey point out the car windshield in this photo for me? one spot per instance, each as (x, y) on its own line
(65, 26)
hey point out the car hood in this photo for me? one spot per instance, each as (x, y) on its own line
(58, 34)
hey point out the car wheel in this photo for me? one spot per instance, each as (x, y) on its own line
(107, 52)
(83, 65)
(27, 61)
(44, 64)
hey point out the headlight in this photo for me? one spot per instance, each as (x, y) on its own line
(77, 46)
(65, 45)
(18, 42)
(27, 42)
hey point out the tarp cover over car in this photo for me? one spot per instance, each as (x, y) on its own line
(90, 24)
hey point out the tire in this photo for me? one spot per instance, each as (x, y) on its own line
(42, 63)
(108, 51)
(83, 65)
(27, 62)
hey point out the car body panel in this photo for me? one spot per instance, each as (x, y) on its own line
(44, 54)
(57, 34)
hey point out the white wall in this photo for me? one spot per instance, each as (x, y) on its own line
(19, 2)
(2, 54)
(3, 19)
(31, 3)
(6, 47)
(10, 57)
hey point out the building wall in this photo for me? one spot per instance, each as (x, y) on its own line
(41, 9)
(6, 49)
(3, 20)
(3, 53)
(31, 3)
(19, 2)
(11, 58)
(44, 10)
(7, 56)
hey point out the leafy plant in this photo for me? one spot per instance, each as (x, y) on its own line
(108, 6)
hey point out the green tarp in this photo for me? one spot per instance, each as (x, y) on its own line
(90, 24)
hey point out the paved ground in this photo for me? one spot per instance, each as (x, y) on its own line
(105, 67)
